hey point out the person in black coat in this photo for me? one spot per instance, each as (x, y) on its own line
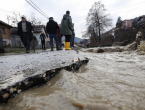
(43, 37)
(25, 32)
(51, 29)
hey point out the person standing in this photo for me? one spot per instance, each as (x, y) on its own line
(43, 37)
(66, 29)
(72, 37)
(51, 29)
(59, 36)
(25, 32)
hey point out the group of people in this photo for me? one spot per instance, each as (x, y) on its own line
(55, 31)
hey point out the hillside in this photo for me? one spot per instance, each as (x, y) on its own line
(125, 36)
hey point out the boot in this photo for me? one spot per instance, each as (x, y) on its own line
(61, 47)
(51, 47)
(67, 46)
(58, 47)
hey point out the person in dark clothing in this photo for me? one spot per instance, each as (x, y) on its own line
(59, 36)
(66, 29)
(25, 32)
(51, 29)
(72, 37)
(112, 38)
(43, 37)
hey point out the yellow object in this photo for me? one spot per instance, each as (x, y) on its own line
(67, 46)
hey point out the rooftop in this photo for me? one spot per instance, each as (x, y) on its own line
(5, 24)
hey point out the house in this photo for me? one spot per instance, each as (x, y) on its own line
(126, 24)
(16, 41)
(5, 28)
(141, 21)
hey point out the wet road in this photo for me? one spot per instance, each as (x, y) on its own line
(110, 81)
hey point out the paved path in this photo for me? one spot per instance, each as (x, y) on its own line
(15, 68)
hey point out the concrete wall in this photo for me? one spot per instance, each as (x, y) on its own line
(16, 41)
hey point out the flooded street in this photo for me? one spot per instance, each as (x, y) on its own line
(110, 81)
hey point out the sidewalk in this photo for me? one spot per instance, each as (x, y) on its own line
(14, 68)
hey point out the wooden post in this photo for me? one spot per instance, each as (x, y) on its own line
(1, 43)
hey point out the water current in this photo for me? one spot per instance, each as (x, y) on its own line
(110, 81)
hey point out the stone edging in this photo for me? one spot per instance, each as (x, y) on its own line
(38, 80)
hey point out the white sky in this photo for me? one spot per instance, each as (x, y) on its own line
(78, 9)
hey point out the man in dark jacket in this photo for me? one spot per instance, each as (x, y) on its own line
(25, 32)
(66, 29)
(51, 29)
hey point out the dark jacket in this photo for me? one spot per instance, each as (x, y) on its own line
(58, 32)
(66, 25)
(29, 30)
(42, 37)
(52, 27)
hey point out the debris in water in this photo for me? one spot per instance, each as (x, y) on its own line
(142, 47)
(44, 75)
(18, 91)
(100, 51)
(6, 95)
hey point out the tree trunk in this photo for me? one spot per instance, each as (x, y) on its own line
(95, 36)
(98, 20)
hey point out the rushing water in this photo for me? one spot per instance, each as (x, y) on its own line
(110, 81)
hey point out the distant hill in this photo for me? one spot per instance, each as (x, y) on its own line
(77, 40)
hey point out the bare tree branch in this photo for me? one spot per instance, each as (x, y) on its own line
(97, 21)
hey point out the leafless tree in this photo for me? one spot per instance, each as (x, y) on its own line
(98, 21)
(34, 20)
(8, 18)
(16, 17)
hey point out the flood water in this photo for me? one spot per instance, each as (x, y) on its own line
(110, 81)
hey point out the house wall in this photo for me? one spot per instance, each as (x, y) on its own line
(126, 24)
(141, 21)
(6, 31)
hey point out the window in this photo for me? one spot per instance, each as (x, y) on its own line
(2, 30)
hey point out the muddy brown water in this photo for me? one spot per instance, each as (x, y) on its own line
(110, 81)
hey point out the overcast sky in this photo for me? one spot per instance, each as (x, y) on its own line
(78, 9)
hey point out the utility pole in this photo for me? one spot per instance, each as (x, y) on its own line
(1, 43)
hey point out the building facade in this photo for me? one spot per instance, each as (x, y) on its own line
(6, 34)
(126, 24)
(141, 21)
